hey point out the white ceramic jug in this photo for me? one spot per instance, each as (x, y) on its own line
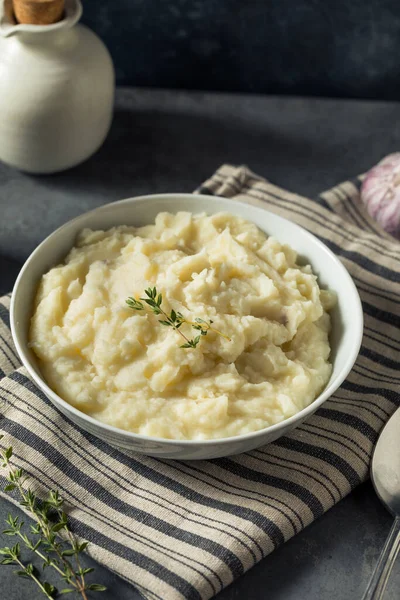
(56, 92)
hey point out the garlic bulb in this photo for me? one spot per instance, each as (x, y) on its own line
(380, 192)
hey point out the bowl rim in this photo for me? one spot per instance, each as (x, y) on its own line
(357, 318)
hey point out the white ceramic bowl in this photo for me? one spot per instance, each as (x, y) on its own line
(347, 317)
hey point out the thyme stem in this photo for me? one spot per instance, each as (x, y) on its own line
(50, 519)
(175, 319)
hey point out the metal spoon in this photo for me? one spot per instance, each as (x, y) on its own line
(385, 475)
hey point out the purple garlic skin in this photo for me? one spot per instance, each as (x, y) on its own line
(380, 193)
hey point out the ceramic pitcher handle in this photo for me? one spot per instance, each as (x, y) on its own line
(380, 576)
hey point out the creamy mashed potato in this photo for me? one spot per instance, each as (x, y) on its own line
(124, 368)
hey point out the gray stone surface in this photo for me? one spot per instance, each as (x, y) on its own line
(339, 48)
(171, 141)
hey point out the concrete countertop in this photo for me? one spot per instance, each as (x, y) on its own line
(165, 141)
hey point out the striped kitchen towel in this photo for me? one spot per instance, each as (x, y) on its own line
(185, 530)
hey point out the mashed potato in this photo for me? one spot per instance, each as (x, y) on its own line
(126, 369)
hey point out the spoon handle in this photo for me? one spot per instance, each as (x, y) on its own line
(380, 576)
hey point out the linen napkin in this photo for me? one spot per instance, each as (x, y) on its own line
(185, 530)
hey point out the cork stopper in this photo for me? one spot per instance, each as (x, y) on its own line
(38, 12)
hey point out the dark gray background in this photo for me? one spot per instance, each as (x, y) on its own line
(330, 48)
(164, 141)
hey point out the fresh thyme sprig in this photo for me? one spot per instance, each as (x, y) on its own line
(153, 299)
(55, 553)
